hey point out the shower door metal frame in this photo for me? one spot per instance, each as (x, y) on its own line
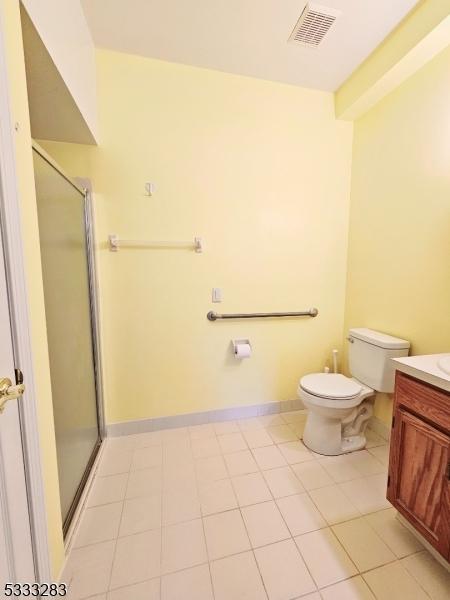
(83, 186)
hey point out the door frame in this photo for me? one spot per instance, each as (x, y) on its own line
(21, 326)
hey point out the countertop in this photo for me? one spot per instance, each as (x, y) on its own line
(424, 368)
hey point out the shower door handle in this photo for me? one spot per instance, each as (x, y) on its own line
(8, 391)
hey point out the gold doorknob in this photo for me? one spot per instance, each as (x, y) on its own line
(8, 391)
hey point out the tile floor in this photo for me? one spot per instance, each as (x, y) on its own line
(242, 510)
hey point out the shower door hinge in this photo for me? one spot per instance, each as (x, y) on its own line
(19, 376)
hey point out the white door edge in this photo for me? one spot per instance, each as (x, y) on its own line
(15, 270)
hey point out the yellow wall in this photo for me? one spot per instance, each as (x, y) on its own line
(399, 242)
(417, 25)
(19, 105)
(261, 171)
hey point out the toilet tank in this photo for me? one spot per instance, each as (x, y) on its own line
(369, 354)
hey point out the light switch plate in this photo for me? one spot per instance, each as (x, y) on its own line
(216, 295)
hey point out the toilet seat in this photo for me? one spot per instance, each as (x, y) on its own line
(331, 386)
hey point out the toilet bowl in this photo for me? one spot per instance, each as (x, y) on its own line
(334, 402)
(340, 407)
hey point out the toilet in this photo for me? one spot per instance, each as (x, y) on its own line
(340, 407)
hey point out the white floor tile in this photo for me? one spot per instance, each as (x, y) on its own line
(401, 541)
(432, 576)
(225, 534)
(250, 423)
(145, 458)
(373, 439)
(217, 496)
(115, 461)
(144, 440)
(211, 469)
(282, 482)
(183, 546)
(224, 427)
(119, 443)
(271, 420)
(239, 463)
(269, 457)
(204, 447)
(314, 596)
(250, 489)
(298, 428)
(232, 442)
(179, 477)
(282, 433)
(137, 558)
(99, 524)
(173, 435)
(368, 494)
(350, 589)
(140, 514)
(108, 489)
(237, 578)
(366, 463)
(147, 482)
(180, 505)
(190, 584)
(340, 468)
(381, 453)
(300, 514)
(312, 474)
(284, 573)
(198, 432)
(177, 451)
(334, 504)
(264, 524)
(295, 452)
(88, 569)
(257, 438)
(147, 590)
(366, 549)
(294, 416)
(325, 558)
(393, 581)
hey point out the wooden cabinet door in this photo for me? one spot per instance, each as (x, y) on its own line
(418, 484)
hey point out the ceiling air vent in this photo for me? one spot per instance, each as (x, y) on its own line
(314, 24)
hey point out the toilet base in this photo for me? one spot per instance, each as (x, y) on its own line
(336, 430)
(353, 443)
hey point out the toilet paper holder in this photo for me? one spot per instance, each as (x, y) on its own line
(237, 343)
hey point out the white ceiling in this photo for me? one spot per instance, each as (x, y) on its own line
(248, 37)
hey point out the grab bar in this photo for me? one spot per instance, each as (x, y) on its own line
(213, 316)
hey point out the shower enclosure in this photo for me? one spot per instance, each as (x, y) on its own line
(69, 294)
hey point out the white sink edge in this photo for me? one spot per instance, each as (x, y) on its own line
(444, 364)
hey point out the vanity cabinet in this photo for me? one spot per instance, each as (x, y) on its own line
(419, 463)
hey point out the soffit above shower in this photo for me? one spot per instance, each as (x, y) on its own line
(247, 37)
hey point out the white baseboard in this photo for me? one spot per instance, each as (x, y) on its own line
(380, 428)
(199, 418)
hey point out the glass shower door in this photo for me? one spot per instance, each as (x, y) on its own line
(64, 256)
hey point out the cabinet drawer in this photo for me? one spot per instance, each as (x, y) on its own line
(424, 400)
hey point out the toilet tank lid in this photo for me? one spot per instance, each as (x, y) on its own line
(379, 339)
